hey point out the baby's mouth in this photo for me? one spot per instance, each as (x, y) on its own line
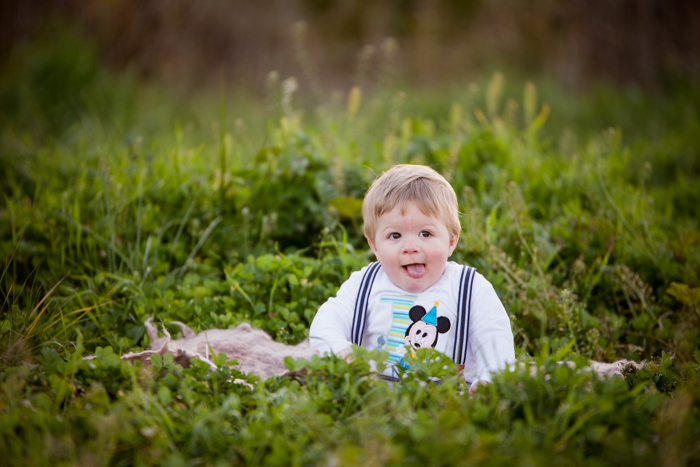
(415, 270)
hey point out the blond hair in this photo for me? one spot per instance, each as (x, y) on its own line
(405, 183)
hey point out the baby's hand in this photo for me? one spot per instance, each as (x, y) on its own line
(344, 354)
(472, 390)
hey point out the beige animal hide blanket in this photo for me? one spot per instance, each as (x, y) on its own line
(257, 353)
(253, 349)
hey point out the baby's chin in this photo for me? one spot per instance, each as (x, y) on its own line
(401, 278)
(414, 285)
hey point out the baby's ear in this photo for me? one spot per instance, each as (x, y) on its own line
(453, 243)
(371, 245)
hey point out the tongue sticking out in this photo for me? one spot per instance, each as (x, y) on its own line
(416, 271)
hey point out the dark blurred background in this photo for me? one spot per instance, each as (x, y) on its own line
(335, 44)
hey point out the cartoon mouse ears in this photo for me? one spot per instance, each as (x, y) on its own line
(417, 313)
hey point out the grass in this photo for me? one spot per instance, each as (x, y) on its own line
(122, 202)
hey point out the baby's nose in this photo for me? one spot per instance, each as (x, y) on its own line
(410, 246)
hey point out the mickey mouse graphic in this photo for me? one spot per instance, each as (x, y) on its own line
(423, 331)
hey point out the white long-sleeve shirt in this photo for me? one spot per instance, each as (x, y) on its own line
(490, 337)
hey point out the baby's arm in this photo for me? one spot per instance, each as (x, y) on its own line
(331, 328)
(490, 335)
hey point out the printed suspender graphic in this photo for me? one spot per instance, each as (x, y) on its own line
(461, 342)
(359, 318)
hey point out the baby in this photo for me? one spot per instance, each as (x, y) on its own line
(413, 297)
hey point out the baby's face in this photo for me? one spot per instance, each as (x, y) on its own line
(413, 248)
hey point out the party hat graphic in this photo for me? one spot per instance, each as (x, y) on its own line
(431, 317)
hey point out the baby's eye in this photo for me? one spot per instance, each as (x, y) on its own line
(395, 236)
(425, 234)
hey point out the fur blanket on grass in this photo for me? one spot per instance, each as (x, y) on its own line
(257, 353)
(253, 349)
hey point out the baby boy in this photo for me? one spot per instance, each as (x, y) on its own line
(413, 297)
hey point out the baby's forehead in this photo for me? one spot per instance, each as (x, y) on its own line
(428, 211)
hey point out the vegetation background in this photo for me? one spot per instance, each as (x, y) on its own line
(205, 162)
